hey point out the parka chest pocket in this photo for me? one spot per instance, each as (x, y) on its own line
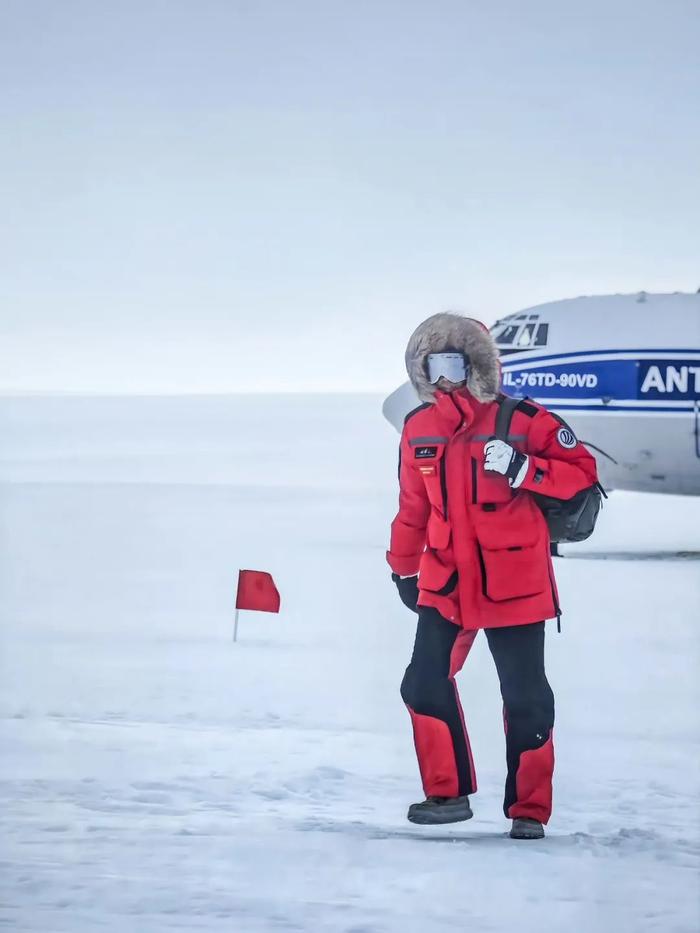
(428, 457)
(486, 485)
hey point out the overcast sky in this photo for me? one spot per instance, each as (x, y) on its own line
(271, 194)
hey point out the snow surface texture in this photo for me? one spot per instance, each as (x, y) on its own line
(155, 776)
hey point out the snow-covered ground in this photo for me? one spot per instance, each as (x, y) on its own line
(154, 776)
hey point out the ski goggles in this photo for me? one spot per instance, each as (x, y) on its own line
(451, 366)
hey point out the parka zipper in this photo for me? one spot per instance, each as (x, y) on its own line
(443, 468)
(443, 483)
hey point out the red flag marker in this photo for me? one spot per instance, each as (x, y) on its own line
(256, 590)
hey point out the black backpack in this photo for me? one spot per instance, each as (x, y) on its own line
(568, 519)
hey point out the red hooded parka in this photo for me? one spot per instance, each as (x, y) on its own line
(480, 548)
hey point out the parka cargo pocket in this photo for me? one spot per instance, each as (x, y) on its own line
(513, 564)
(438, 531)
(436, 577)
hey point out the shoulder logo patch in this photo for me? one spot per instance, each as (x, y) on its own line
(566, 438)
(426, 453)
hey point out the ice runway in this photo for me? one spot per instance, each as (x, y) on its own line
(156, 777)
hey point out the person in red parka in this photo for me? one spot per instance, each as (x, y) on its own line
(470, 550)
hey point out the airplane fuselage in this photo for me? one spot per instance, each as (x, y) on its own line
(622, 370)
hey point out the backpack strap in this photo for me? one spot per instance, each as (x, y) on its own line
(504, 416)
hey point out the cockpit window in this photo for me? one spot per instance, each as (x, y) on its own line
(541, 335)
(507, 334)
(521, 331)
(526, 335)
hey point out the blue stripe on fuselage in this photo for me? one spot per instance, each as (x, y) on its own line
(652, 378)
(631, 409)
(509, 361)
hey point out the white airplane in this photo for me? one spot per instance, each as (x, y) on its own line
(622, 370)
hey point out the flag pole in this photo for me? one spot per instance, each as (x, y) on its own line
(235, 625)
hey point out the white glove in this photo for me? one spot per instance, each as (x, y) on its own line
(500, 457)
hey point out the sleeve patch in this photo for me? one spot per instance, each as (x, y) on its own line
(566, 438)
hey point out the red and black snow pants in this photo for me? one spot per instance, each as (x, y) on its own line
(442, 744)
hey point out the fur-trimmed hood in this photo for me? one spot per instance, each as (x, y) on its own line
(449, 331)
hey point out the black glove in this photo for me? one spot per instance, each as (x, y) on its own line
(408, 590)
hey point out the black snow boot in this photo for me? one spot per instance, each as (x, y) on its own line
(526, 828)
(440, 810)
